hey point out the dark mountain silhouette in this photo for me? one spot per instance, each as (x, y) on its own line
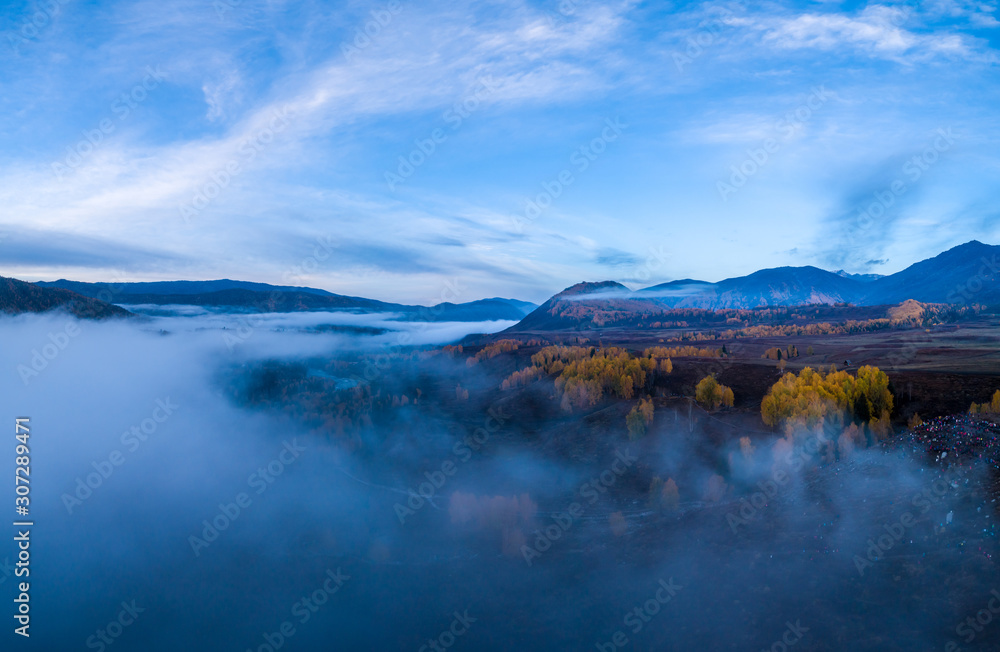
(260, 297)
(175, 287)
(18, 297)
(968, 273)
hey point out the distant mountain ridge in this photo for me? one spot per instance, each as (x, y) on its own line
(18, 297)
(260, 297)
(176, 287)
(966, 274)
(780, 286)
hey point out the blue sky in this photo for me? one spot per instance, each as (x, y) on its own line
(473, 149)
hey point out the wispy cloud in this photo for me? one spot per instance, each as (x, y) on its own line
(876, 31)
(268, 132)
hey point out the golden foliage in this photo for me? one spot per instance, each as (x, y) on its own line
(491, 351)
(774, 353)
(993, 407)
(813, 397)
(710, 394)
(522, 378)
(678, 351)
(881, 427)
(586, 374)
(639, 418)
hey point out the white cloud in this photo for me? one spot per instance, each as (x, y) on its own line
(877, 31)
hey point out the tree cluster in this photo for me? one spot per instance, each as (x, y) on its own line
(774, 353)
(813, 398)
(993, 407)
(584, 375)
(710, 394)
(681, 351)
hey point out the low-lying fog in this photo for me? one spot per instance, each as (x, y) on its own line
(136, 444)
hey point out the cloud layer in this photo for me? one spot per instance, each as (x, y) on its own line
(182, 140)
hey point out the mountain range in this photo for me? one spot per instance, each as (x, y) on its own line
(966, 274)
(244, 296)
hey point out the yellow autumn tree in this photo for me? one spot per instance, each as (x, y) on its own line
(710, 394)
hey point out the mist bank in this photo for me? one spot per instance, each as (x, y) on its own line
(487, 521)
